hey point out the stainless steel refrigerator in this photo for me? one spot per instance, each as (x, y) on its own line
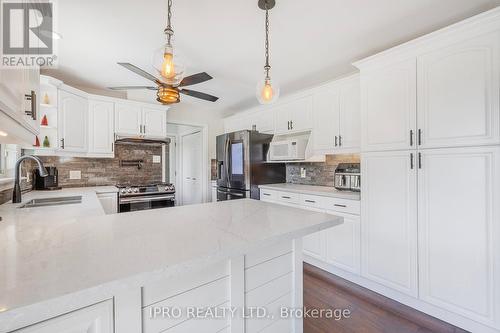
(242, 167)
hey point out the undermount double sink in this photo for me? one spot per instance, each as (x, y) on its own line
(55, 201)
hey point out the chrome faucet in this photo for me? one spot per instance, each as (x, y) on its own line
(16, 194)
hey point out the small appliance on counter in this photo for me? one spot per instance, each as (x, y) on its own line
(50, 182)
(348, 177)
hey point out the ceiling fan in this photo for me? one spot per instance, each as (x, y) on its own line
(169, 93)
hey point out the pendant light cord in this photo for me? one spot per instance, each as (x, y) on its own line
(267, 67)
(168, 30)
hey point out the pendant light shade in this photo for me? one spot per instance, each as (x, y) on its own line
(168, 61)
(268, 90)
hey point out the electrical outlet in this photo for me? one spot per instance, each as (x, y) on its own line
(75, 174)
(156, 159)
(302, 172)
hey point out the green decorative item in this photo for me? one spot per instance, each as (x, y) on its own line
(46, 143)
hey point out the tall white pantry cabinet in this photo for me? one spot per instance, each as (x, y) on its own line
(430, 160)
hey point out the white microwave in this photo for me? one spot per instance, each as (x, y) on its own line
(288, 150)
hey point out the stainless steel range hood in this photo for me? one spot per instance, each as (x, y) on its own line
(121, 139)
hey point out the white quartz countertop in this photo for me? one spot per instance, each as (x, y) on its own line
(313, 190)
(47, 255)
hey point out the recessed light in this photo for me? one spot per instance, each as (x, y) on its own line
(2, 133)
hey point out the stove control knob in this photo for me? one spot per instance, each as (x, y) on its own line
(123, 191)
(129, 190)
(136, 190)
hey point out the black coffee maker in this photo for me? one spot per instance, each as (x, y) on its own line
(50, 182)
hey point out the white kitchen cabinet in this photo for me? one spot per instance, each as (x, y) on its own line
(326, 118)
(293, 116)
(101, 127)
(73, 122)
(388, 107)
(262, 120)
(96, 318)
(136, 120)
(459, 231)
(349, 132)
(128, 119)
(389, 220)
(15, 84)
(458, 93)
(109, 202)
(154, 122)
(343, 244)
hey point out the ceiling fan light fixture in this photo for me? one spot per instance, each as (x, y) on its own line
(167, 95)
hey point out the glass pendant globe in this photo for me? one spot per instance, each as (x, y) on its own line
(169, 65)
(267, 91)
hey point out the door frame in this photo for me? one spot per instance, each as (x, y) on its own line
(205, 170)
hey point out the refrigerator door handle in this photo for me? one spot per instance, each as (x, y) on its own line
(227, 162)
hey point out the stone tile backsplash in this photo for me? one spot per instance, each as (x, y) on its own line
(320, 174)
(107, 171)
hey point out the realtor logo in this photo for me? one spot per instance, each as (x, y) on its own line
(27, 34)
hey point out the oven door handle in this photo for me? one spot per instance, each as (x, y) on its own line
(146, 199)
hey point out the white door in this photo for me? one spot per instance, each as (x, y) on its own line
(101, 127)
(191, 152)
(343, 244)
(458, 93)
(73, 122)
(154, 122)
(326, 118)
(388, 107)
(128, 119)
(459, 231)
(349, 140)
(389, 223)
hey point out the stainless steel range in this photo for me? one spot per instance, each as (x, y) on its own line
(140, 197)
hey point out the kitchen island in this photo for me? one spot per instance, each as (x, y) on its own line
(132, 272)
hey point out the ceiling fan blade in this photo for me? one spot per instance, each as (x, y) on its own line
(195, 79)
(199, 95)
(132, 87)
(139, 71)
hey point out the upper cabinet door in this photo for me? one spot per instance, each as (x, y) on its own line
(101, 127)
(294, 116)
(154, 122)
(388, 107)
(326, 118)
(458, 93)
(128, 119)
(459, 231)
(349, 117)
(73, 122)
(389, 220)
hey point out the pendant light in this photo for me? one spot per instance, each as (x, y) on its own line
(267, 91)
(167, 60)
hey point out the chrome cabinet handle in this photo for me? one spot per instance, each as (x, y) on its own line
(340, 140)
(31, 97)
(411, 138)
(419, 137)
(266, 194)
(285, 197)
(144, 129)
(420, 160)
(411, 161)
(291, 124)
(288, 124)
(62, 143)
(339, 205)
(336, 141)
(310, 201)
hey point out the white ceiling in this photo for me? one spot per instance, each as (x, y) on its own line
(311, 41)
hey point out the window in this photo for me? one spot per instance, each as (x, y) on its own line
(8, 157)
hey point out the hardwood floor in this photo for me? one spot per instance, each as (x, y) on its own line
(369, 312)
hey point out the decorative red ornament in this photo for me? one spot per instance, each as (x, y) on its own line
(45, 122)
(37, 142)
